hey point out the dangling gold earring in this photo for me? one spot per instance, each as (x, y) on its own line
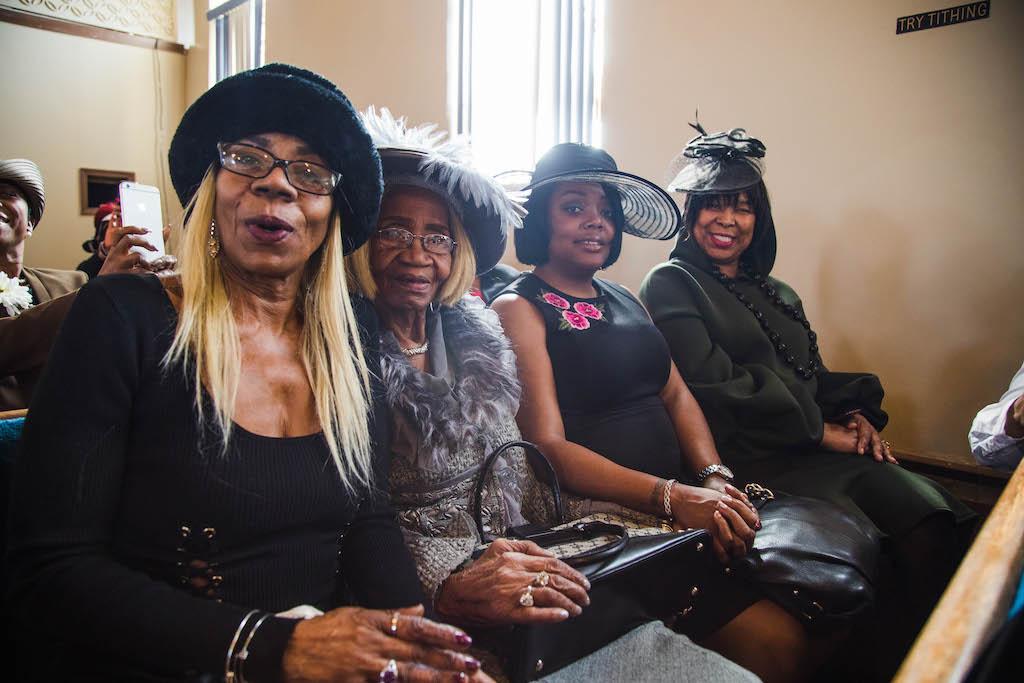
(213, 244)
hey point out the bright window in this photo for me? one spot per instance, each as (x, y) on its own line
(527, 76)
(237, 32)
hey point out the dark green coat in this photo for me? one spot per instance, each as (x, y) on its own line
(755, 403)
(768, 421)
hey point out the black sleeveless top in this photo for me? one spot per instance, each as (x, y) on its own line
(610, 364)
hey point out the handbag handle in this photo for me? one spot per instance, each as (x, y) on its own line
(530, 449)
(582, 531)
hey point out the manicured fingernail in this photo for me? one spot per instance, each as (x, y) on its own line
(458, 677)
(758, 527)
(472, 663)
(463, 639)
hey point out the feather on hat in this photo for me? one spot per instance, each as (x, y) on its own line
(426, 157)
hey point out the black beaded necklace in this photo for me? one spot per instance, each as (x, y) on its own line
(813, 367)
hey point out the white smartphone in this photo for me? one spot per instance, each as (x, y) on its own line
(140, 208)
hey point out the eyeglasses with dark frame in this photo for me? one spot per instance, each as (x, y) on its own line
(255, 162)
(399, 238)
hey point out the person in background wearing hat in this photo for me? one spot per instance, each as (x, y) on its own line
(35, 300)
(22, 199)
(779, 417)
(453, 393)
(97, 247)
(603, 399)
(214, 468)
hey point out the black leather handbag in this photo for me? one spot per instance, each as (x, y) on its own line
(635, 578)
(813, 558)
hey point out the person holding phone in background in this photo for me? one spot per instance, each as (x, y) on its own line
(35, 300)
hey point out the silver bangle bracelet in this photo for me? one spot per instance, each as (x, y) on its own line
(667, 500)
(229, 675)
(239, 668)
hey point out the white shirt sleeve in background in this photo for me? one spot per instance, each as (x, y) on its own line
(989, 442)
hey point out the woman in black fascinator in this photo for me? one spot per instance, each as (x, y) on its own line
(750, 357)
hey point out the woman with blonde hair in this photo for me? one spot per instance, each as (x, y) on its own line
(216, 467)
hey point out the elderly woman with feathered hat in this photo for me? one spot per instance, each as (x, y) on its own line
(215, 469)
(453, 391)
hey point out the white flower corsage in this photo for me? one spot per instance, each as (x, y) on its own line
(15, 296)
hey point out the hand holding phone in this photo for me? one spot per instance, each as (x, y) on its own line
(140, 208)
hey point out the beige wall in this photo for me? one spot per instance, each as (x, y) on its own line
(893, 167)
(893, 162)
(85, 103)
(386, 52)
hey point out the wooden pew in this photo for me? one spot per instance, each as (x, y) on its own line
(976, 603)
(976, 486)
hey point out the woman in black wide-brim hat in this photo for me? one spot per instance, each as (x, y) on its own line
(779, 417)
(601, 395)
(219, 459)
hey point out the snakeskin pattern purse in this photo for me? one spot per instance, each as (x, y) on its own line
(637, 574)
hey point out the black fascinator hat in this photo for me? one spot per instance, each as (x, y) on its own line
(717, 163)
(284, 99)
(648, 211)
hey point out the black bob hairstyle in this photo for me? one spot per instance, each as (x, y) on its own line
(533, 238)
(760, 255)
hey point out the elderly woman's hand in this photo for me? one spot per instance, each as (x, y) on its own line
(729, 517)
(488, 592)
(857, 436)
(353, 644)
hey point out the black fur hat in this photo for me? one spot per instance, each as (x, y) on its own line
(284, 99)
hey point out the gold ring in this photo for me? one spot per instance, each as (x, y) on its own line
(542, 580)
(394, 623)
(526, 599)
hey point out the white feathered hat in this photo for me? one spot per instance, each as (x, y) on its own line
(426, 157)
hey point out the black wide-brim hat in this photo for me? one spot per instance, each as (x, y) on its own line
(648, 210)
(485, 227)
(281, 98)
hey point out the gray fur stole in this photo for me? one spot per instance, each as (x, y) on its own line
(486, 389)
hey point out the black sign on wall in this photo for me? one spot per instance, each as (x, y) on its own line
(944, 17)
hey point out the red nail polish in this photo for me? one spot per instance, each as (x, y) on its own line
(758, 527)
(459, 677)
(472, 664)
(463, 639)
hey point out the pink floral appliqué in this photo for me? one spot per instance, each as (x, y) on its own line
(555, 300)
(577, 320)
(589, 310)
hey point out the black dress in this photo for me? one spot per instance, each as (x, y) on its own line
(121, 496)
(610, 364)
